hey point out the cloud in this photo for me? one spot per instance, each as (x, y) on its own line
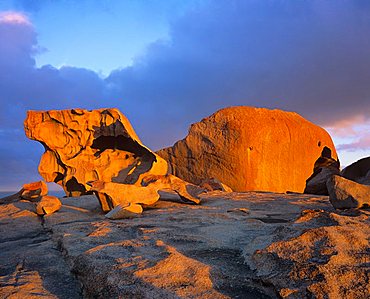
(307, 56)
(24, 87)
(362, 143)
(14, 17)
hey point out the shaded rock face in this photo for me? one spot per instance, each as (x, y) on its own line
(347, 194)
(82, 146)
(250, 149)
(358, 171)
(325, 167)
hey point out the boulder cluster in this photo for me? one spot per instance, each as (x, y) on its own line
(235, 149)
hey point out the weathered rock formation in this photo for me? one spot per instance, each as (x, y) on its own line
(82, 146)
(32, 192)
(325, 167)
(250, 149)
(147, 193)
(234, 245)
(48, 205)
(347, 194)
(358, 171)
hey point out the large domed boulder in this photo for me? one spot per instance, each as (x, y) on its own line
(82, 146)
(250, 149)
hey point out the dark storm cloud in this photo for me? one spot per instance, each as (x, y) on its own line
(312, 57)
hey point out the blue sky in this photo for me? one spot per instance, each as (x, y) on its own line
(167, 64)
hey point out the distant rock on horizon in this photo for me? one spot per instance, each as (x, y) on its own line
(250, 148)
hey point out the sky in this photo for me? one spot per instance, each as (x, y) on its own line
(167, 64)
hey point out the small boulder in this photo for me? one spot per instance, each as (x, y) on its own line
(347, 194)
(122, 212)
(48, 205)
(316, 184)
(34, 191)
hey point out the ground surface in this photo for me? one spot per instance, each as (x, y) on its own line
(233, 245)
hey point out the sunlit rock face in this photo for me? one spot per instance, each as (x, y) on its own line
(250, 149)
(83, 146)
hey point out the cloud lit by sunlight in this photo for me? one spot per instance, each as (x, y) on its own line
(14, 17)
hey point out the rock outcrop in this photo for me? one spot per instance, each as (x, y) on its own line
(82, 146)
(323, 255)
(358, 171)
(234, 245)
(347, 194)
(250, 149)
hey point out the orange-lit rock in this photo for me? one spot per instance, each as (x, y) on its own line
(48, 205)
(122, 212)
(33, 191)
(250, 149)
(112, 194)
(82, 146)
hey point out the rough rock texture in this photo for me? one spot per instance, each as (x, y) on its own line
(31, 264)
(358, 171)
(48, 205)
(111, 195)
(213, 184)
(234, 245)
(82, 146)
(347, 194)
(250, 149)
(326, 255)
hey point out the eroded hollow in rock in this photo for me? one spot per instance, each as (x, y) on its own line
(83, 146)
